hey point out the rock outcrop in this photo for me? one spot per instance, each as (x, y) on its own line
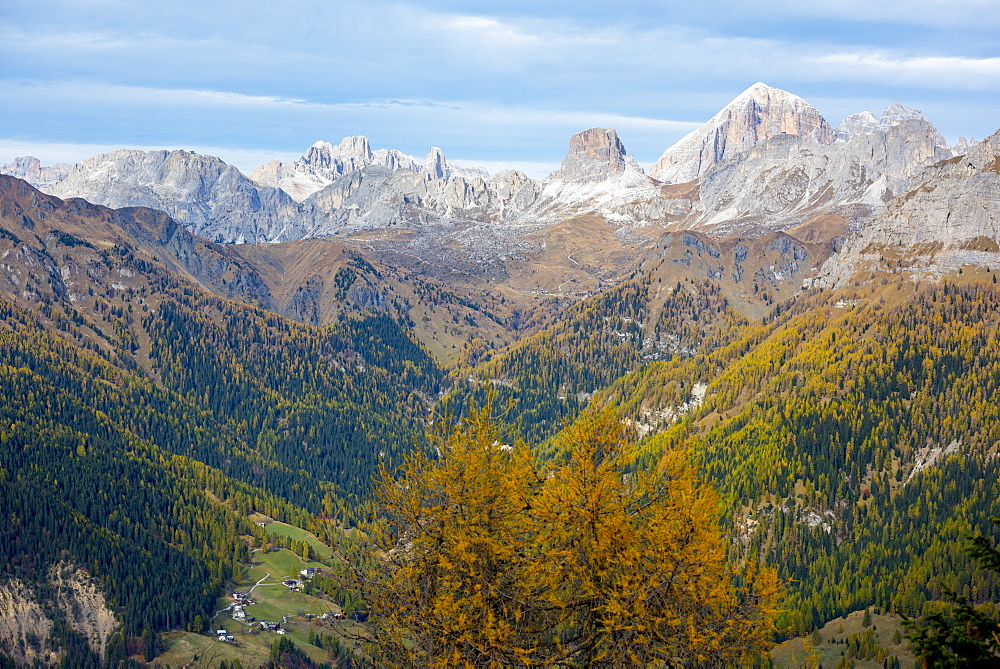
(781, 181)
(949, 217)
(757, 114)
(25, 623)
(209, 197)
(83, 605)
(24, 626)
(30, 169)
(856, 124)
(323, 163)
(594, 155)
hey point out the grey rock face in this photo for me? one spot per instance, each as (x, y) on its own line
(948, 217)
(594, 155)
(759, 113)
(323, 162)
(856, 124)
(778, 182)
(30, 169)
(435, 166)
(963, 145)
(207, 196)
(897, 113)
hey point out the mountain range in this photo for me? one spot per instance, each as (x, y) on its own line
(810, 309)
(767, 164)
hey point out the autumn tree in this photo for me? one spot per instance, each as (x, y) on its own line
(635, 561)
(488, 557)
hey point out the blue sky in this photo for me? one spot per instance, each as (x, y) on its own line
(496, 84)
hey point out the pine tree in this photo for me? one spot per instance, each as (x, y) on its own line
(961, 635)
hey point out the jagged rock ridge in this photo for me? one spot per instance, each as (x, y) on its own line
(30, 169)
(949, 217)
(212, 199)
(768, 162)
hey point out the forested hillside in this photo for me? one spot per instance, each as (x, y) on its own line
(142, 418)
(550, 376)
(852, 434)
(854, 442)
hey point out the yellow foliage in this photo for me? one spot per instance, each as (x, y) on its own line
(490, 558)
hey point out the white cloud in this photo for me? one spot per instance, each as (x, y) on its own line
(948, 72)
(968, 13)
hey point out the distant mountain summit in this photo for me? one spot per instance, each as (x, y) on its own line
(324, 163)
(594, 155)
(30, 169)
(209, 197)
(757, 114)
(894, 115)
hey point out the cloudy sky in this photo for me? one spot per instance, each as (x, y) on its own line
(499, 84)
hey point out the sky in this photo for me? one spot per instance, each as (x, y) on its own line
(500, 84)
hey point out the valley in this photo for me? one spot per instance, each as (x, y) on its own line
(204, 372)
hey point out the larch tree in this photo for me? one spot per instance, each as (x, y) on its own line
(487, 557)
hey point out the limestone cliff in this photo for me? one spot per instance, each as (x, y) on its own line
(757, 114)
(31, 170)
(594, 155)
(949, 217)
(209, 197)
(780, 181)
(26, 627)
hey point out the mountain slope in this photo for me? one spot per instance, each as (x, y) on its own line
(947, 219)
(84, 488)
(301, 410)
(853, 438)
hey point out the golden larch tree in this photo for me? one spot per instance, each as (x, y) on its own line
(487, 557)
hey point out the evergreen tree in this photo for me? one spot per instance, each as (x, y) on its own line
(961, 635)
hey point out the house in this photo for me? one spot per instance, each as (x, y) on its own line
(280, 631)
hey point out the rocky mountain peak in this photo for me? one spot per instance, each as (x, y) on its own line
(963, 145)
(435, 165)
(594, 155)
(757, 114)
(897, 113)
(351, 154)
(856, 124)
(30, 169)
